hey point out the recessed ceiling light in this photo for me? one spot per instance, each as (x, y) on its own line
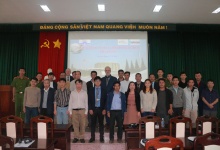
(216, 11)
(45, 8)
(101, 7)
(157, 8)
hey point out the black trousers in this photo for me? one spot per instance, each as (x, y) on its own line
(116, 115)
(177, 111)
(97, 113)
(44, 113)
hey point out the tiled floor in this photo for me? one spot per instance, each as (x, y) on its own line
(97, 145)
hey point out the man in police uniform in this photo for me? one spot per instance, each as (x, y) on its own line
(19, 83)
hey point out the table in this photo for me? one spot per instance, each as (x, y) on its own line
(39, 144)
(62, 133)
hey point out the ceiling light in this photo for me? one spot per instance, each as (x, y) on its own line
(45, 8)
(101, 7)
(157, 8)
(216, 11)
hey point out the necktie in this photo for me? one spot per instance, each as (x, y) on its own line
(107, 79)
(153, 85)
(97, 96)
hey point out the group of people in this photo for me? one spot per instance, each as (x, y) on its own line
(113, 99)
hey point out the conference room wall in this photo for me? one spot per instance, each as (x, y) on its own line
(190, 48)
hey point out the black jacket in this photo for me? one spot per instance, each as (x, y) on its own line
(169, 98)
(89, 85)
(50, 100)
(200, 87)
(141, 86)
(109, 87)
(91, 99)
(137, 100)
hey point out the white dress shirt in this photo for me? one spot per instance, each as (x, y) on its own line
(78, 100)
(124, 86)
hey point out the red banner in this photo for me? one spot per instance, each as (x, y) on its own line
(52, 47)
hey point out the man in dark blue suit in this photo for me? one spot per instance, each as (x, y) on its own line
(107, 84)
(116, 107)
(97, 108)
(47, 99)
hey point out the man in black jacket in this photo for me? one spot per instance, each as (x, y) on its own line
(90, 84)
(165, 101)
(97, 103)
(47, 99)
(138, 84)
(201, 86)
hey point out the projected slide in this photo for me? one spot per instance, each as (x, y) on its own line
(97, 53)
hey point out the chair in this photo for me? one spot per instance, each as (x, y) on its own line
(43, 122)
(206, 123)
(6, 140)
(164, 143)
(149, 122)
(209, 141)
(12, 123)
(180, 125)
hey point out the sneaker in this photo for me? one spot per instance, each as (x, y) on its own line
(119, 140)
(91, 140)
(82, 140)
(111, 141)
(102, 140)
(75, 140)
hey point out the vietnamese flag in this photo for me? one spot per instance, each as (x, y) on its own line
(52, 49)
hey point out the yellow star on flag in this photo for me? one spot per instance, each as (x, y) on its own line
(57, 44)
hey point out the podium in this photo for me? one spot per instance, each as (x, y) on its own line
(7, 107)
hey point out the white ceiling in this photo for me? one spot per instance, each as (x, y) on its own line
(67, 11)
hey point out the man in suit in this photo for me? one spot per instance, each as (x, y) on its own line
(107, 84)
(47, 99)
(97, 103)
(69, 78)
(116, 107)
(53, 83)
(139, 84)
(154, 84)
(201, 86)
(90, 84)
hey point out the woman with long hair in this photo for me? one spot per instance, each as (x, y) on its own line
(133, 105)
(148, 97)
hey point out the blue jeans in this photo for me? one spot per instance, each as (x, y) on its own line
(144, 114)
(62, 117)
(30, 113)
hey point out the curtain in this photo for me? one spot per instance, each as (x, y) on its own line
(52, 51)
(17, 49)
(186, 51)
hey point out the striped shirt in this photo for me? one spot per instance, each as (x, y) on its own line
(61, 98)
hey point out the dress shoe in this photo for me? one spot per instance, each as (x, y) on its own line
(75, 140)
(82, 140)
(91, 140)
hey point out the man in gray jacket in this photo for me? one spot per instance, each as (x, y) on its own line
(190, 107)
(178, 97)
